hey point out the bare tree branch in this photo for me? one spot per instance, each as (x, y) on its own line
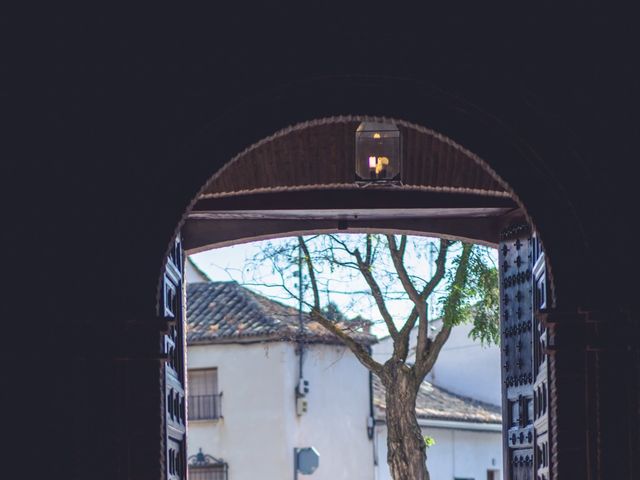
(358, 350)
(440, 269)
(397, 255)
(365, 269)
(430, 286)
(427, 351)
(343, 244)
(423, 327)
(419, 310)
(425, 365)
(401, 344)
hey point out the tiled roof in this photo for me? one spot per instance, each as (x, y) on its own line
(226, 311)
(435, 403)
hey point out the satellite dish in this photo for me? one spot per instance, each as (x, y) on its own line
(307, 460)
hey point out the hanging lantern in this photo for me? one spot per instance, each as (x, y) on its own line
(377, 152)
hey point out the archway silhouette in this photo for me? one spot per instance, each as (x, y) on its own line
(521, 164)
(447, 191)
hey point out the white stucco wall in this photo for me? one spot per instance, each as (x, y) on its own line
(464, 366)
(467, 368)
(192, 274)
(251, 437)
(260, 427)
(338, 410)
(456, 454)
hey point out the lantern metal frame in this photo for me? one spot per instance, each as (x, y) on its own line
(397, 159)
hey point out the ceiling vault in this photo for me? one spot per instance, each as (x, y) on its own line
(302, 180)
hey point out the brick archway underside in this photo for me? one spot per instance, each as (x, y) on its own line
(302, 179)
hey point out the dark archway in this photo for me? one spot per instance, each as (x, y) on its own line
(521, 163)
(522, 166)
(446, 190)
(128, 117)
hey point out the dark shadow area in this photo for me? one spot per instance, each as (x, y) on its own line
(128, 116)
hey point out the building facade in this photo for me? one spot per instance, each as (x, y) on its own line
(246, 409)
(253, 398)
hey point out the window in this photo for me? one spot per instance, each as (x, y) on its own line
(204, 399)
(493, 474)
(206, 467)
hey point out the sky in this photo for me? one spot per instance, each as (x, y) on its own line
(242, 264)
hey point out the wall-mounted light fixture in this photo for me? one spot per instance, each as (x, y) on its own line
(378, 152)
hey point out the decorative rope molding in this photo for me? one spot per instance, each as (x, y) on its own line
(358, 118)
(354, 186)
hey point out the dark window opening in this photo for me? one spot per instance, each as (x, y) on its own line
(204, 399)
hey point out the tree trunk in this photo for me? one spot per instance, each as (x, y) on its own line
(406, 449)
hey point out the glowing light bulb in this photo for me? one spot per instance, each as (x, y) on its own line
(376, 135)
(373, 161)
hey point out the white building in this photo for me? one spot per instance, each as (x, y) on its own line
(244, 370)
(244, 413)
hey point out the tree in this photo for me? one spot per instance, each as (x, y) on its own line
(470, 294)
(332, 312)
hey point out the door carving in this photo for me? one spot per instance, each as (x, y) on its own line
(524, 366)
(173, 350)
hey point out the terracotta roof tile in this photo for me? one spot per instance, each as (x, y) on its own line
(222, 311)
(436, 403)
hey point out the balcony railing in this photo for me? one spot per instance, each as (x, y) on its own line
(205, 407)
(207, 467)
(218, 472)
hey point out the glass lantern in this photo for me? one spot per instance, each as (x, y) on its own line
(377, 152)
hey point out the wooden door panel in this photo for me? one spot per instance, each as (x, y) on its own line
(173, 349)
(525, 391)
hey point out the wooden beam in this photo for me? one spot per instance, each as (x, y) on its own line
(351, 214)
(204, 234)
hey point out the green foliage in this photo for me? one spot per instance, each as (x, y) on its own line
(473, 294)
(429, 441)
(332, 312)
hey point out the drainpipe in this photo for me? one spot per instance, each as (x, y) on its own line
(371, 420)
(371, 424)
(300, 326)
(302, 388)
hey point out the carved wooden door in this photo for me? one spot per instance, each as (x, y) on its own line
(540, 366)
(525, 393)
(173, 311)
